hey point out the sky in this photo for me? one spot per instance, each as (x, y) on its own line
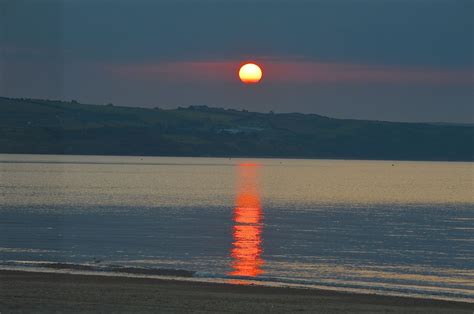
(394, 60)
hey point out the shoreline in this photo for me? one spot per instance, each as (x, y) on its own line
(180, 275)
(271, 157)
(28, 291)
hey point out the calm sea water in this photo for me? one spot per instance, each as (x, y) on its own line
(380, 226)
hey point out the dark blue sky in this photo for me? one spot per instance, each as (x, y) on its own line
(389, 60)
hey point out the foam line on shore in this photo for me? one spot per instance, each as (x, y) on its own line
(175, 275)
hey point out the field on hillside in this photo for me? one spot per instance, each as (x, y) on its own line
(54, 127)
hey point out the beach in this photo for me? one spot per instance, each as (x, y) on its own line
(51, 292)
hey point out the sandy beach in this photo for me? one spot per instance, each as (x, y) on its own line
(48, 292)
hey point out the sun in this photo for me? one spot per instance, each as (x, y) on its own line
(250, 73)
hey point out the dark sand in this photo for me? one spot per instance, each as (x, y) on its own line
(41, 292)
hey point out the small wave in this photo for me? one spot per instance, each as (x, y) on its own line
(23, 250)
(103, 268)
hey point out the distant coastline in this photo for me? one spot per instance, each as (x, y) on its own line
(32, 126)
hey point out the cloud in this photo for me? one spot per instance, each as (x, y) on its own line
(177, 71)
(294, 72)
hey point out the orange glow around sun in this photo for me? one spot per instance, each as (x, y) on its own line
(250, 73)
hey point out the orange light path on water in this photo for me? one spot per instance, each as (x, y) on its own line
(247, 231)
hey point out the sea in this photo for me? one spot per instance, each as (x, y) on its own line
(401, 228)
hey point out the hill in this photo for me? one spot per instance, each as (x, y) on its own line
(56, 127)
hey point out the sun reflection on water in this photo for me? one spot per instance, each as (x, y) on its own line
(247, 246)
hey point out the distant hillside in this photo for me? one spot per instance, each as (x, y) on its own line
(54, 127)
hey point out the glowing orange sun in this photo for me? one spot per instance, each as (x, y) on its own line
(250, 73)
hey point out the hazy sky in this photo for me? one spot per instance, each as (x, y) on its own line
(400, 60)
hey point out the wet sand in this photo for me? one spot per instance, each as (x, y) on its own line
(45, 293)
